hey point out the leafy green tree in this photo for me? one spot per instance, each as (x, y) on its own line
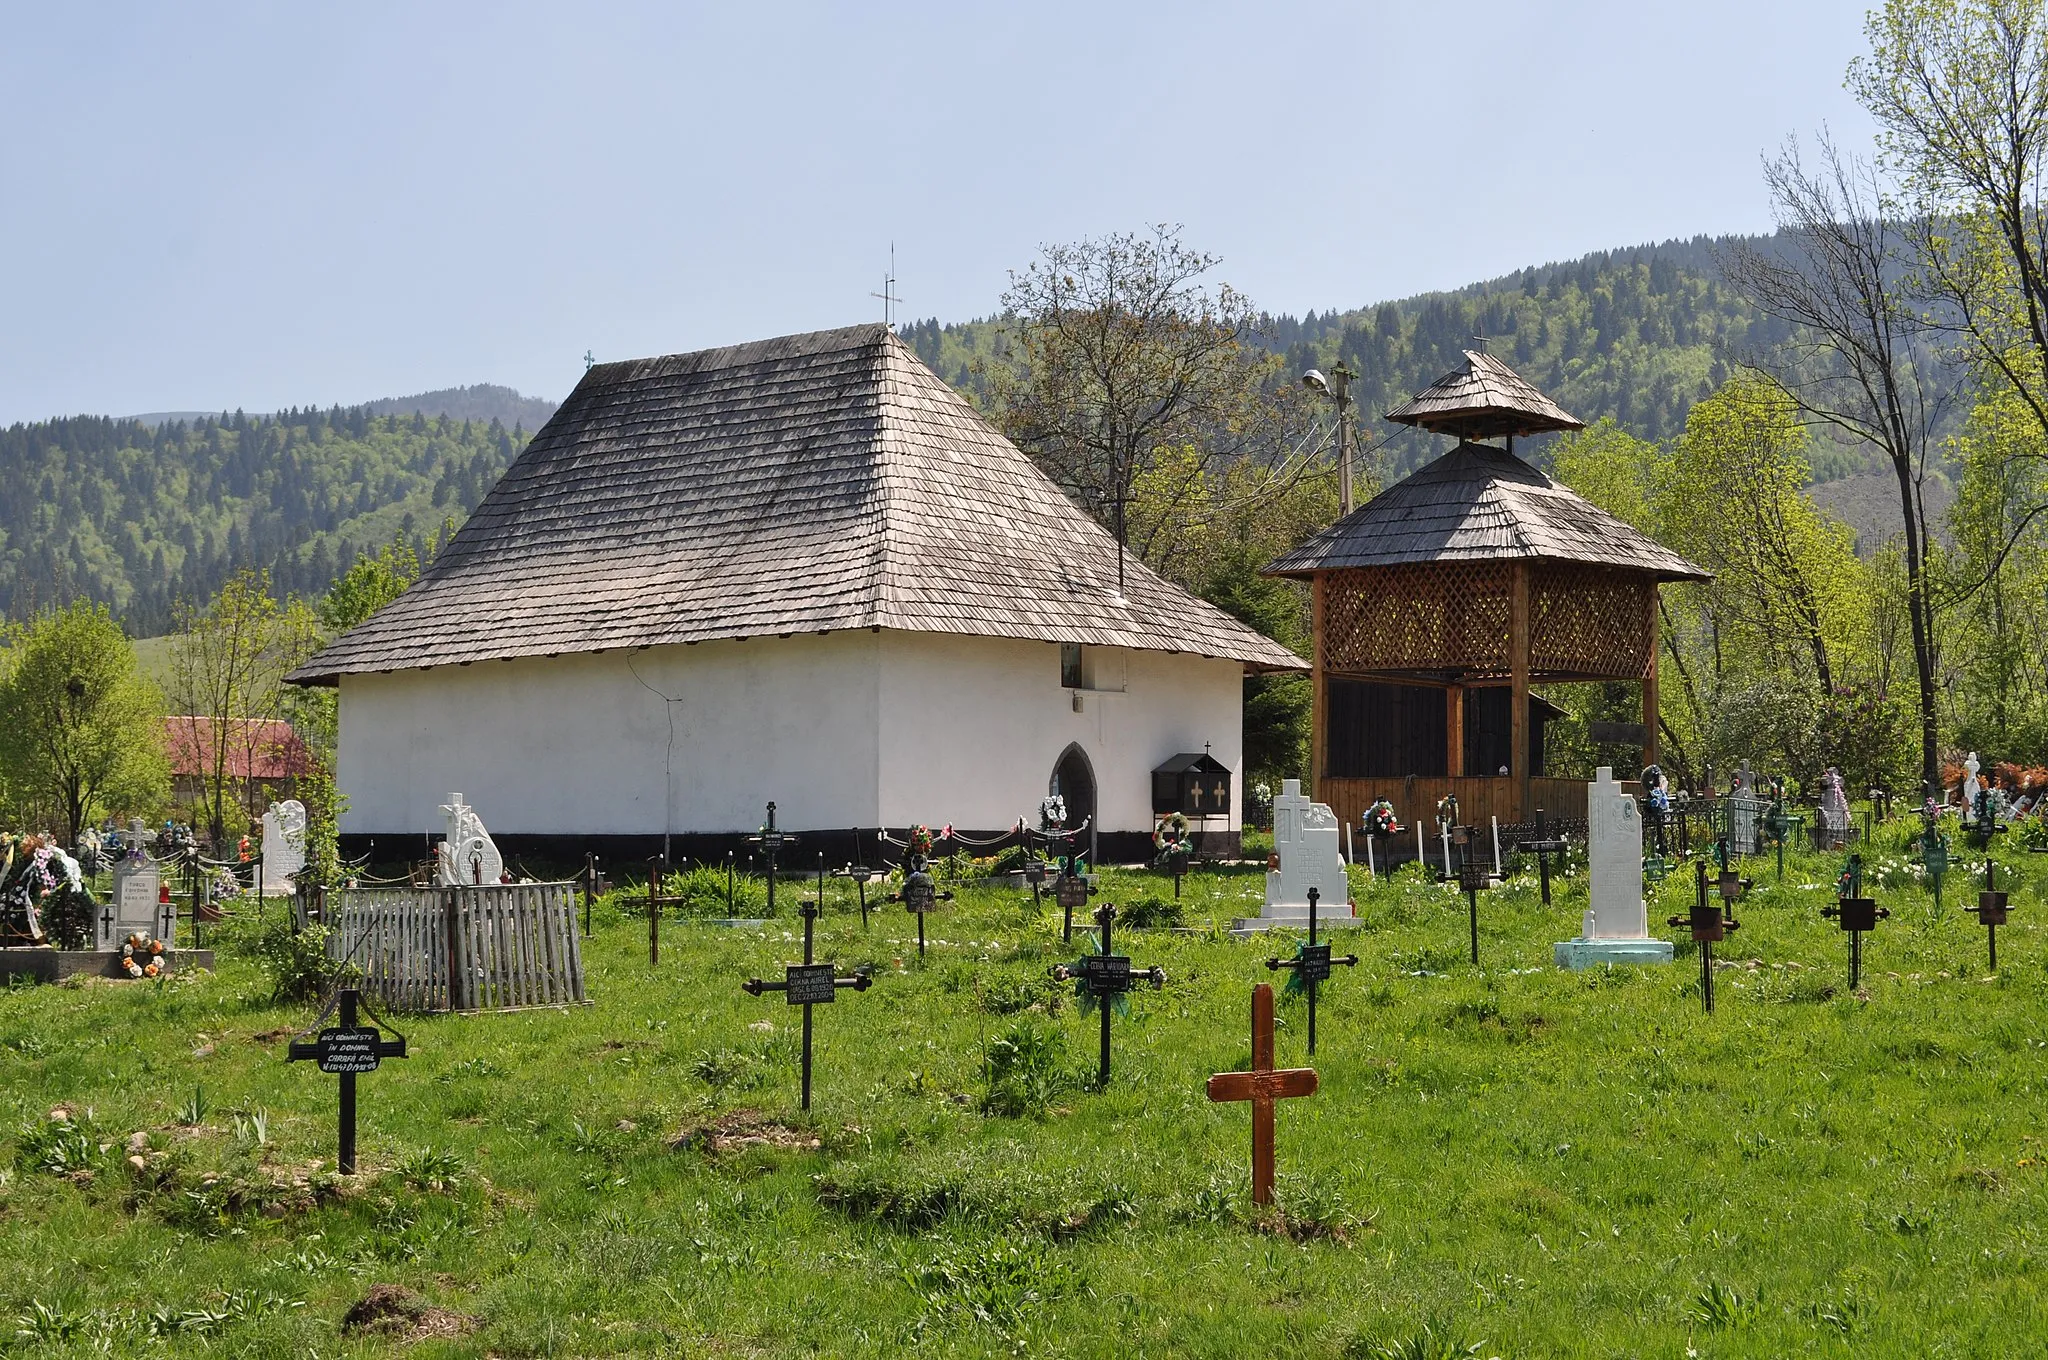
(1787, 579)
(227, 675)
(81, 730)
(1861, 359)
(370, 583)
(1128, 379)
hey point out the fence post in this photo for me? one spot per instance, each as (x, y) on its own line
(452, 923)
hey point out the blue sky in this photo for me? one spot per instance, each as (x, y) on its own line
(207, 206)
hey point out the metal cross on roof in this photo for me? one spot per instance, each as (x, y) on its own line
(1263, 1085)
(888, 293)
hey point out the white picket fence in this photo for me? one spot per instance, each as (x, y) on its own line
(493, 947)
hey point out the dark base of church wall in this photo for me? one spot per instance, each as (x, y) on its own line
(559, 856)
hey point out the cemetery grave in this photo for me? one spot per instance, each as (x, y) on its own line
(1530, 1159)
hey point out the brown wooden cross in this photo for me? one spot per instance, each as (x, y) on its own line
(1262, 1086)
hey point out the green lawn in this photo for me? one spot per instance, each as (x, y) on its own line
(1532, 1162)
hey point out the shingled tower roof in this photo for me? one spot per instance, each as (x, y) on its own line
(806, 484)
(1483, 400)
(1479, 503)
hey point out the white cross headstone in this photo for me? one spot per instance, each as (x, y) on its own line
(467, 855)
(1305, 837)
(1616, 928)
(284, 845)
(1614, 861)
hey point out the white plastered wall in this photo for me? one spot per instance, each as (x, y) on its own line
(846, 729)
(972, 727)
(578, 744)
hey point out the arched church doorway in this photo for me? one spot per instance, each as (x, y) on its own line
(1073, 779)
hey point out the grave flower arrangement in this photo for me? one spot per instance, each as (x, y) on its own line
(1380, 820)
(142, 956)
(43, 897)
(1447, 810)
(1169, 838)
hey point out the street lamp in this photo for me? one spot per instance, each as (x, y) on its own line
(1337, 387)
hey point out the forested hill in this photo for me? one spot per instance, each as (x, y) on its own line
(141, 517)
(1637, 334)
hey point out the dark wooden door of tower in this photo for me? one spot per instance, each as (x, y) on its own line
(1074, 780)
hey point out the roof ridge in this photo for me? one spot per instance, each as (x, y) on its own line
(806, 484)
(1477, 502)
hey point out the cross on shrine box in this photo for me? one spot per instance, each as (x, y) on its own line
(1263, 1085)
(807, 984)
(347, 1051)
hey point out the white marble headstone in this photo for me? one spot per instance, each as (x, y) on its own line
(284, 845)
(1972, 786)
(468, 854)
(137, 882)
(1614, 833)
(1305, 838)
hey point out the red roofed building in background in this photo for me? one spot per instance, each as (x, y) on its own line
(263, 760)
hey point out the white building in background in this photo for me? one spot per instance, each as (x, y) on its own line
(802, 570)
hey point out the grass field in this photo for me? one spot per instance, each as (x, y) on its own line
(1504, 1161)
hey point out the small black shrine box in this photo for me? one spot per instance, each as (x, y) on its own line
(1194, 784)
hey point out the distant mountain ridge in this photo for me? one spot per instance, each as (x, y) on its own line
(146, 511)
(480, 401)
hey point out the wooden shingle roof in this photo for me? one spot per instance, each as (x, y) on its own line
(1478, 503)
(1483, 400)
(799, 485)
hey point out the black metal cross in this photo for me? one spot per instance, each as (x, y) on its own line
(1709, 922)
(1070, 890)
(347, 1051)
(590, 888)
(1312, 966)
(1103, 977)
(1991, 908)
(807, 984)
(771, 842)
(919, 893)
(1544, 846)
(860, 874)
(657, 870)
(1472, 878)
(1856, 914)
(1934, 856)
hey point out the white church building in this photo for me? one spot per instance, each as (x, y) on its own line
(804, 570)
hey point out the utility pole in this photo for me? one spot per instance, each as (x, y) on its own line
(1336, 385)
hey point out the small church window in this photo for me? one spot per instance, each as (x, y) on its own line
(1070, 666)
